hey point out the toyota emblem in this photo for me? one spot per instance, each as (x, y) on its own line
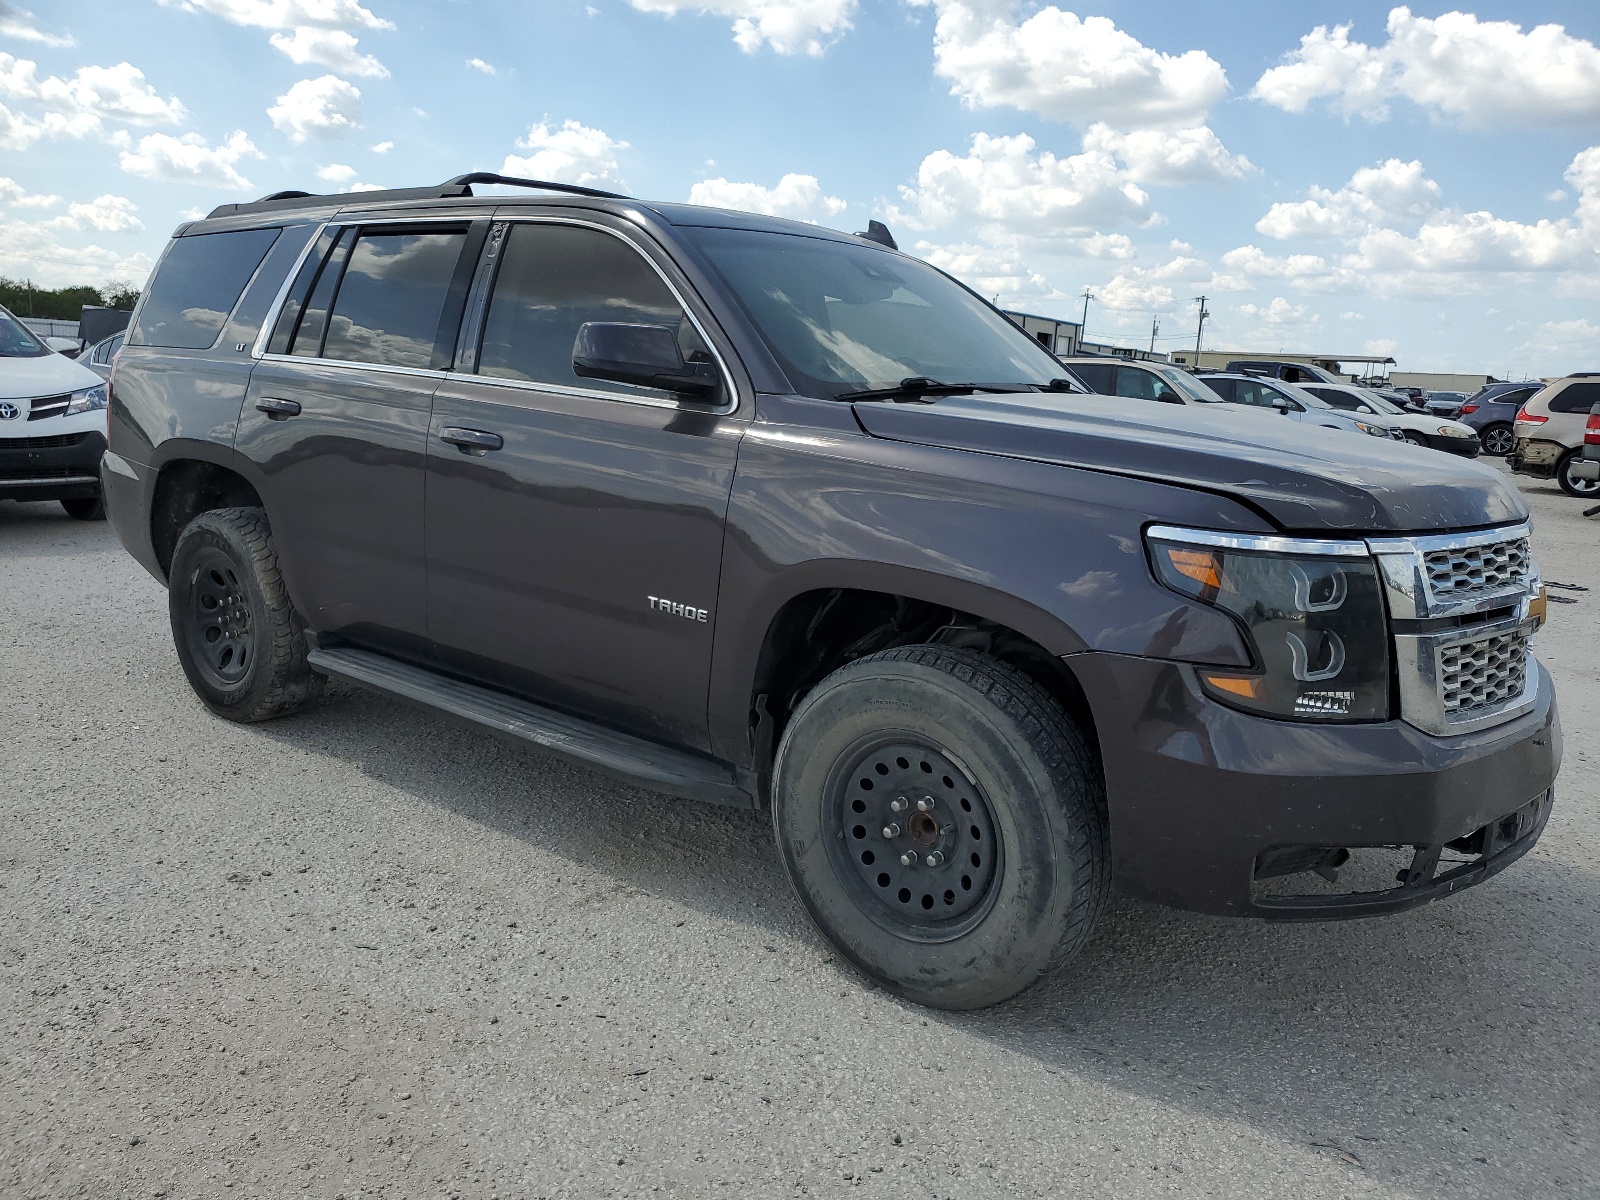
(9, 411)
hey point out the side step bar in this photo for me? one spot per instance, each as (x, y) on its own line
(633, 759)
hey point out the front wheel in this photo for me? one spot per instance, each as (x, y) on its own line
(1415, 439)
(944, 823)
(1569, 485)
(1497, 440)
(240, 641)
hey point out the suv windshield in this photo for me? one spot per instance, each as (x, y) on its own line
(844, 318)
(17, 340)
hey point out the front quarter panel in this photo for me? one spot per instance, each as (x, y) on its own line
(1054, 552)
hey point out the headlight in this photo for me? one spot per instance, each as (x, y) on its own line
(87, 400)
(1456, 431)
(1315, 622)
(1374, 430)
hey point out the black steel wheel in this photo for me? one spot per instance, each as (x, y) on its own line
(943, 821)
(918, 834)
(240, 641)
(1498, 440)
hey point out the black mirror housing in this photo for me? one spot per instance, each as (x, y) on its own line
(643, 355)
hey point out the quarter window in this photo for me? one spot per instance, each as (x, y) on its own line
(391, 298)
(555, 278)
(199, 281)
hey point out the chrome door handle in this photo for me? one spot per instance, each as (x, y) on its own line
(471, 441)
(278, 409)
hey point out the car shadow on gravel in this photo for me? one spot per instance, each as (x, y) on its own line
(1432, 1049)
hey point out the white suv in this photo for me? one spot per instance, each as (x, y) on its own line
(1549, 432)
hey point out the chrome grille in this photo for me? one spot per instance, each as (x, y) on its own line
(48, 406)
(1471, 570)
(1478, 676)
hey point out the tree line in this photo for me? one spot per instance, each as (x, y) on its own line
(63, 304)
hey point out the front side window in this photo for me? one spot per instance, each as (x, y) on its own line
(1254, 392)
(843, 317)
(1143, 385)
(391, 298)
(17, 340)
(553, 279)
(198, 283)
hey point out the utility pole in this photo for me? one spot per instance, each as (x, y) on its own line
(1155, 328)
(1204, 313)
(1083, 328)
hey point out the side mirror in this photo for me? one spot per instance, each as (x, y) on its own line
(1363, 408)
(1281, 405)
(643, 355)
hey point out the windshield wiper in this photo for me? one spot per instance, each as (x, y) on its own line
(918, 385)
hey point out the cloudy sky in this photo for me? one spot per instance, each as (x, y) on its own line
(1346, 178)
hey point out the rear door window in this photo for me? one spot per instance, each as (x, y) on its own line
(1226, 388)
(200, 280)
(1576, 398)
(391, 299)
(553, 279)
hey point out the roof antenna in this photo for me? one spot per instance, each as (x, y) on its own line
(878, 232)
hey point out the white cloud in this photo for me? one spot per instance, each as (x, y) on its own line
(1479, 73)
(22, 25)
(336, 173)
(788, 26)
(1312, 272)
(80, 105)
(1147, 289)
(1068, 68)
(477, 64)
(381, 147)
(799, 197)
(1002, 182)
(1279, 312)
(14, 194)
(287, 14)
(18, 132)
(572, 154)
(328, 48)
(1393, 193)
(1159, 156)
(996, 274)
(33, 250)
(108, 214)
(326, 107)
(190, 159)
(1383, 346)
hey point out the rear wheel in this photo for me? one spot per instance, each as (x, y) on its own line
(1497, 439)
(944, 823)
(240, 641)
(86, 508)
(1569, 485)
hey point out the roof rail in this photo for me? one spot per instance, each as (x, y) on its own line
(460, 186)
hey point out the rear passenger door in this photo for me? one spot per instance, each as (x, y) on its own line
(336, 420)
(574, 554)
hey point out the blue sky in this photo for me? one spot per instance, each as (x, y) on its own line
(1349, 178)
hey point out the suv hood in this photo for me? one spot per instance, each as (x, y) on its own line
(1304, 479)
(47, 375)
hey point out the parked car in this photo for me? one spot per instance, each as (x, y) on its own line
(1549, 432)
(749, 510)
(98, 356)
(1289, 372)
(1416, 428)
(52, 424)
(1140, 381)
(1492, 410)
(1293, 401)
(1444, 404)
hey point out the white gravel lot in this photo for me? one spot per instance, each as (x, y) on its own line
(362, 952)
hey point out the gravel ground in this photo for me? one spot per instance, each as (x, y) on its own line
(362, 952)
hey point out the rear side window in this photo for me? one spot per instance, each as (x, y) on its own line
(200, 280)
(1096, 375)
(1336, 398)
(1576, 398)
(391, 297)
(1222, 387)
(553, 279)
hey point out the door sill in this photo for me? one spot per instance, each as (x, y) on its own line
(641, 762)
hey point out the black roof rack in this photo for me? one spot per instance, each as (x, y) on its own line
(460, 186)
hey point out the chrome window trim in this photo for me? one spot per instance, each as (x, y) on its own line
(428, 372)
(1262, 543)
(664, 401)
(275, 310)
(528, 385)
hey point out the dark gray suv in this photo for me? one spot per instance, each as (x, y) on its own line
(751, 511)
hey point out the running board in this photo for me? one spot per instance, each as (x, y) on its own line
(636, 760)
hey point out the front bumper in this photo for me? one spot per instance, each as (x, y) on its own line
(1202, 795)
(51, 467)
(1465, 447)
